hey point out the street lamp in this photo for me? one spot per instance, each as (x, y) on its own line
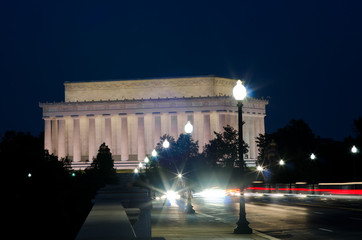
(146, 160)
(189, 208)
(166, 144)
(312, 156)
(281, 162)
(154, 153)
(354, 149)
(239, 93)
(188, 127)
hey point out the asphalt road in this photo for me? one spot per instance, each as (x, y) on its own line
(291, 217)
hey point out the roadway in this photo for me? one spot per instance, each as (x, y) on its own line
(291, 217)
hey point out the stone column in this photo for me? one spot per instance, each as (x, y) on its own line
(124, 139)
(252, 138)
(157, 129)
(207, 129)
(54, 137)
(140, 138)
(174, 132)
(76, 139)
(246, 134)
(92, 148)
(198, 132)
(221, 122)
(165, 128)
(108, 131)
(148, 133)
(61, 138)
(48, 134)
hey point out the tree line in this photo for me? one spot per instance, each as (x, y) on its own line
(44, 192)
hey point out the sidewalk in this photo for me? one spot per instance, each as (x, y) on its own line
(170, 223)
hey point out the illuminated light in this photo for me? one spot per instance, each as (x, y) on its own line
(281, 162)
(188, 127)
(312, 156)
(158, 198)
(302, 195)
(73, 174)
(354, 149)
(154, 153)
(213, 193)
(172, 196)
(166, 144)
(179, 175)
(259, 168)
(146, 160)
(239, 91)
(29, 175)
(135, 170)
(277, 195)
(345, 183)
(261, 188)
(140, 165)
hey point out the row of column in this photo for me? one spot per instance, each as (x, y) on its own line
(132, 136)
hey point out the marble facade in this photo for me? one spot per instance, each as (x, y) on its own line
(130, 116)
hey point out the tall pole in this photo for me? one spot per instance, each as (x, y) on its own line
(242, 224)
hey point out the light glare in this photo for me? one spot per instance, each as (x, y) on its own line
(188, 127)
(166, 144)
(239, 91)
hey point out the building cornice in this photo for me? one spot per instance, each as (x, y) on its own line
(210, 103)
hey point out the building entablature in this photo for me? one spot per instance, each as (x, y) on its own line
(251, 106)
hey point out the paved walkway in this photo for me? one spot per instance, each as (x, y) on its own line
(170, 223)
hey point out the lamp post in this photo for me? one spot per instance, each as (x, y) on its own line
(239, 93)
(154, 153)
(354, 151)
(189, 208)
(146, 160)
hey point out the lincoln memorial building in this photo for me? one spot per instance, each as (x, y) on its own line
(130, 116)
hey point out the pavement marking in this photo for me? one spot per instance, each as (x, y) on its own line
(354, 218)
(325, 229)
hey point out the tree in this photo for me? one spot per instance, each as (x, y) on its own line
(223, 150)
(180, 155)
(262, 142)
(295, 143)
(103, 165)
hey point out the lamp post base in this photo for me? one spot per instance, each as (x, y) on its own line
(243, 228)
(189, 209)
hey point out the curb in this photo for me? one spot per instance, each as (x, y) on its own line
(264, 235)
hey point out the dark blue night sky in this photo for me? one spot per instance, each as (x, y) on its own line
(305, 55)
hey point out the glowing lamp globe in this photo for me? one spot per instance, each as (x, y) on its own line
(354, 149)
(188, 127)
(166, 143)
(239, 91)
(154, 153)
(146, 160)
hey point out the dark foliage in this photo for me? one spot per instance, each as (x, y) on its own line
(223, 151)
(49, 203)
(102, 168)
